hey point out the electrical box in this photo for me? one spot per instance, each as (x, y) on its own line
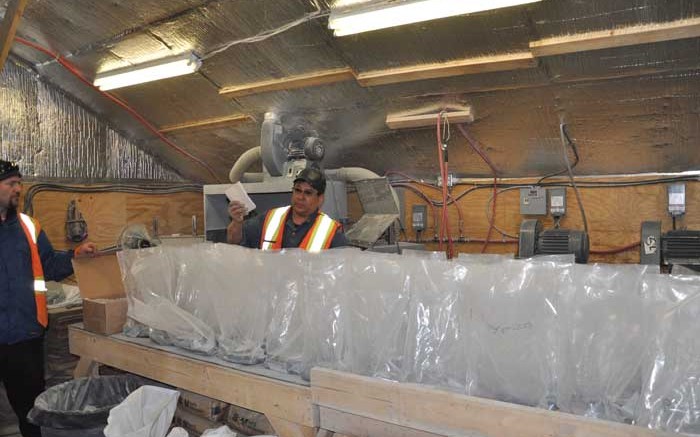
(557, 201)
(650, 249)
(533, 201)
(676, 199)
(419, 217)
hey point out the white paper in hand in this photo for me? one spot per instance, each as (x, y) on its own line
(237, 192)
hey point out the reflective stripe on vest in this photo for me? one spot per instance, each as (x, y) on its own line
(317, 238)
(31, 231)
(273, 228)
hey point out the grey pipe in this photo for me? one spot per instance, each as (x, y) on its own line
(247, 159)
(351, 174)
(252, 177)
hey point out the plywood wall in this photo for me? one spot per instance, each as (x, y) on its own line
(107, 213)
(614, 217)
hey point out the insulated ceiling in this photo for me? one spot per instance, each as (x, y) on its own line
(629, 109)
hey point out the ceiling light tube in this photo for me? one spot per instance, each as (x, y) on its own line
(148, 72)
(348, 21)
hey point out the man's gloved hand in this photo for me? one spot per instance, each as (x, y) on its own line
(237, 211)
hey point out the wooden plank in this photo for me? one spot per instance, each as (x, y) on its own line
(445, 413)
(427, 120)
(274, 398)
(483, 64)
(358, 426)
(626, 36)
(86, 367)
(289, 429)
(292, 82)
(8, 27)
(107, 213)
(209, 123)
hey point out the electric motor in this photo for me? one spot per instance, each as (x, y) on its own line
(534, 240)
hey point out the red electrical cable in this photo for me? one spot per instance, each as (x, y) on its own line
(445, 228)
(492, 221)
(73, 70)
(475, 146)
(417, 182)
(615, 250)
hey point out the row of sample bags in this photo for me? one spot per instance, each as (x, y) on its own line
(618, 342)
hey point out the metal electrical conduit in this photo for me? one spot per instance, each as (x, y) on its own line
(106, 188)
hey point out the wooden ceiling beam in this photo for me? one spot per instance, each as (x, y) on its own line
(292, 82)
(625, 36)
(634, 35)
(460, 67)
(8, 27)
(209, 123)
(394, 121)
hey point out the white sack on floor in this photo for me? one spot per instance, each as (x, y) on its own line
(147, 412)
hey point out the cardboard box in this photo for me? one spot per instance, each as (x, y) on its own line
(248, 422)
(99, 277)
(104, 316)
(193, 423)
(203, 406)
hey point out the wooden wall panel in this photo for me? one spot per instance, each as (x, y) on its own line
(614, 216)
(107, 213)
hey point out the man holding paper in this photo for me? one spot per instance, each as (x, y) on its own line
(300, 225)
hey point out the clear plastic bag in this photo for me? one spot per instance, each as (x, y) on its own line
(671, 394)
(163, 291)
(375, 296)
(285, 330)
(515, 340)
(608, 321)
(437, 343)
(242, 283)
(324, 327)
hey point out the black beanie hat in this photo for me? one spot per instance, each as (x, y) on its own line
(8, 169)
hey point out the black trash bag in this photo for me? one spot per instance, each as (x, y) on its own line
(83, 403)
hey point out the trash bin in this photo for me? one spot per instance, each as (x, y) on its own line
(80, 407)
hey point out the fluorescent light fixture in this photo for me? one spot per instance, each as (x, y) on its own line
(148, 72)
(391, 13)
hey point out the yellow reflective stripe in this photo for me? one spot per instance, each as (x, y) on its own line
(321, 235)
(39, 286)
(29, 223)
(273, 227)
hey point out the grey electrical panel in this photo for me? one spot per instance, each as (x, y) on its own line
(419, 217)
(557, 201)
(533, 201)
(676, 199)
(650, 250)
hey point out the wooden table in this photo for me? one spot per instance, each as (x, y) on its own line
(286, 404)
(337, 402)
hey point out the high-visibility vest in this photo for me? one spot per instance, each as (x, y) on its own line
(31, 230)
(319, 236)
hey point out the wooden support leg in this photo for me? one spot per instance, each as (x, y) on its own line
(285, 428)
(86, 367)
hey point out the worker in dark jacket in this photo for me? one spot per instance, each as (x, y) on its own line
(27, 260)
(300, 225)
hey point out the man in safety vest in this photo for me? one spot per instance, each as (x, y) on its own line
(300, 225)
(26, 261)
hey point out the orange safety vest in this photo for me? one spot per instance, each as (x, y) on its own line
(319, 236)
(32, 229)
